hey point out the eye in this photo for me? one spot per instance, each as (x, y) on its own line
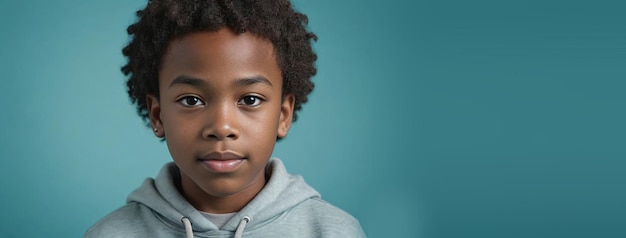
(190, 101)
(250, 101)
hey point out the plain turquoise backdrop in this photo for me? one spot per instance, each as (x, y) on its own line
(429, 119)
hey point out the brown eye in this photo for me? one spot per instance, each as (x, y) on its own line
(250, 101)
(190, 101)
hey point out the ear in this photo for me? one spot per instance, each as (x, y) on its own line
(286, 115)
(154, 113)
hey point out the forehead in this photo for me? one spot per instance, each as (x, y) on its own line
(220, 55)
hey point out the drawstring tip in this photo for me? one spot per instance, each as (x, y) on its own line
(188, 229)
(242, 225)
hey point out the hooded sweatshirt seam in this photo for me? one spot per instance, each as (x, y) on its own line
(172, 225)
(283, 184)
(167, 222)
(280, 217)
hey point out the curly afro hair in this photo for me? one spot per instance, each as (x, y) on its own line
(164, 20)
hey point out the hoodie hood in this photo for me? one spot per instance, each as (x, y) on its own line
(281, 192)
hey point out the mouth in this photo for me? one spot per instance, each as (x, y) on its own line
(222, 162)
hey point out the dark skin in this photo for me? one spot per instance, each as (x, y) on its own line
(221, 97)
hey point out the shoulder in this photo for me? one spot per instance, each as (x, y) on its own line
(329, 220)
(120, 223)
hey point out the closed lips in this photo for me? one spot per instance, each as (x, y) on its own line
(222, 162)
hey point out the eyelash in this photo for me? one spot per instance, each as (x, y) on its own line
(258, 100)
(184, 101)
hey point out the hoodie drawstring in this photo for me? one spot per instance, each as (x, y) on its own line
(242, 225)
(188, 230)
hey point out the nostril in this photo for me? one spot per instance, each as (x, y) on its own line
(219, 137)
(220, 132)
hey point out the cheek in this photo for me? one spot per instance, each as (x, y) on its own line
(261, 131)
(266, 123)
(179, 130)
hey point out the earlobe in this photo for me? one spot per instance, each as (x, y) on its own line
(286, 115)
(154, 113)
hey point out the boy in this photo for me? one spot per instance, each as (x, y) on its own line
(220, 82)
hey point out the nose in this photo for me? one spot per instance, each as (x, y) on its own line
(221, 124)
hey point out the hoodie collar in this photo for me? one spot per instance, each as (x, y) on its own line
(281, 192)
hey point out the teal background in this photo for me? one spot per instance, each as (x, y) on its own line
(430, 118)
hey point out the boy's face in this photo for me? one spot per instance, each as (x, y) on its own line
(221, 110)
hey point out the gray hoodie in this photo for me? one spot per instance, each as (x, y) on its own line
(286, 207)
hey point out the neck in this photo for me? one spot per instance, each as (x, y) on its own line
(220, 203)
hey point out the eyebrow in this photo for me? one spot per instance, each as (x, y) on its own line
(188, 80)
(252, 80)
(184, 79)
